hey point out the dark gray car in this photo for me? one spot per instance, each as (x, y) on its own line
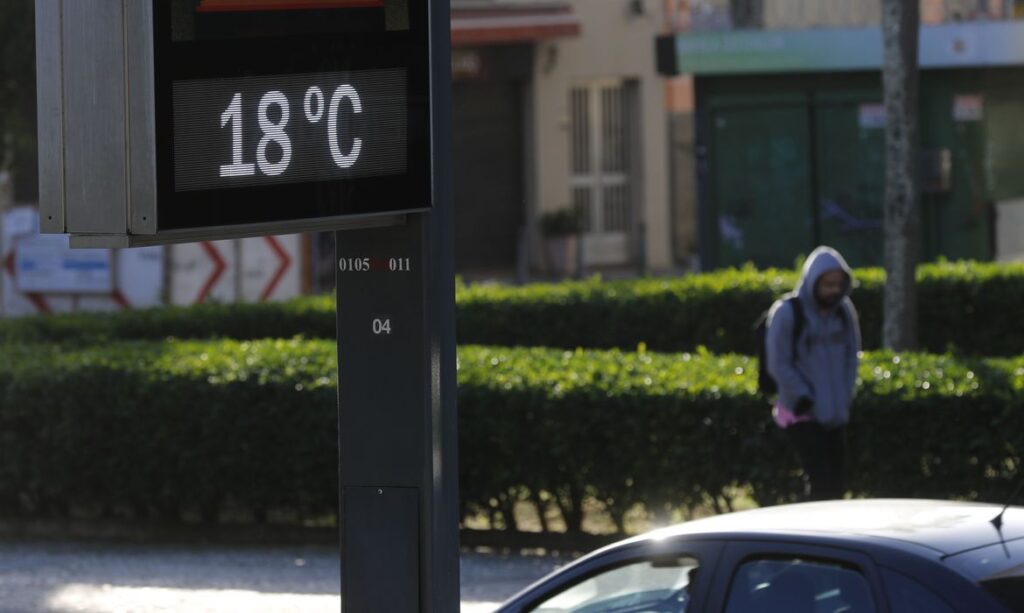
(854, 556)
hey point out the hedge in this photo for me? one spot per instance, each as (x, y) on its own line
(308, 316)
(970, 308)
(156, 429)
(185, 429)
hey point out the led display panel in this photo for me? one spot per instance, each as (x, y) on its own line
(283, 110)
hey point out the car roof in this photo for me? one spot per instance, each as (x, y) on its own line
(943, 526)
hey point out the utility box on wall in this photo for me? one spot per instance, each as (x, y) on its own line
(165, 121)
(1010, 231)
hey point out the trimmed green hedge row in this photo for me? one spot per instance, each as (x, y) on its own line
(309, 316)
(156, 429)
(185, 428)
(970, 308)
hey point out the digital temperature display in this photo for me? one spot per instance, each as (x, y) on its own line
(289, 128)
(274, 114)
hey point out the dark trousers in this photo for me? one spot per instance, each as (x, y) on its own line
(823, 455)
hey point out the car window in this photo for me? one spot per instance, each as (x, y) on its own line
(660, 584)
(909, 596)
(798, 586)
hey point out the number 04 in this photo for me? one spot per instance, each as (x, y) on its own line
(381, 326)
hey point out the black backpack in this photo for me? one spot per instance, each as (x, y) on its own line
(765, 383)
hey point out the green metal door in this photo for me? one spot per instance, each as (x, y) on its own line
(850, 141)
(760, 184)
(957, 221)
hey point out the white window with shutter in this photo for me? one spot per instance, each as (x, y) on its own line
(602, 119)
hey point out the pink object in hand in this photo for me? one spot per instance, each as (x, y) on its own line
(786, 418)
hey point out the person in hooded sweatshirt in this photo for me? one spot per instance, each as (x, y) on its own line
(817, 373)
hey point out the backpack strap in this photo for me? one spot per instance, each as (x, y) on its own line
(798, 321)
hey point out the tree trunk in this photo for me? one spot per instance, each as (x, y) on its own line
(542, 508)
(900, 25)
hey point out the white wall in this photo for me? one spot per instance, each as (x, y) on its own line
(793, 14)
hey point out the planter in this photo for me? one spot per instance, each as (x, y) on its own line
(562, 255)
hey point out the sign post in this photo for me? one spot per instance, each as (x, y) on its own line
(396, 367)
(396, 389)
(166, 121)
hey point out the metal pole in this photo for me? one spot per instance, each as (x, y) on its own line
(398, 457)
(815, 184)
(441, 576)
(6, 200)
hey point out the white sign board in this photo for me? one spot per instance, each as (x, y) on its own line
(46, 264)
(271, 268)
(969, 107)
(204, 273)
(20, 221)
(140, 275)
(136, 281)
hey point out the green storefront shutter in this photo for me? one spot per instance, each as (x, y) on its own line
(850, 138)
(760, 171)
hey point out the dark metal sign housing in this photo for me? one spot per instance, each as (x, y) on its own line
(178, 120)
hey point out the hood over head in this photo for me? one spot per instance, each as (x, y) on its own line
(822, 260)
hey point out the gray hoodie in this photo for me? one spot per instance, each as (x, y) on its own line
(825, 366)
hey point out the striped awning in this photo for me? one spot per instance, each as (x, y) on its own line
(224, 6)
(474, 22)
(512, 23)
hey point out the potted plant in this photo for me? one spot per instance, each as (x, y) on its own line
(561, 231)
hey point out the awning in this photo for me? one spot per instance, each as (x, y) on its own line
(956, 45)
(218, 6)
(495, 24)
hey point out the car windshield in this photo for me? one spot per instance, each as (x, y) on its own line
(640, 586)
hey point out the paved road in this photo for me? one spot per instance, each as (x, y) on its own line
(67, 577)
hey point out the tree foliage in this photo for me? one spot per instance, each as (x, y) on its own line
(18, 95)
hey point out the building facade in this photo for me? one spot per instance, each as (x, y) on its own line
(602, 135)
(559, 107)
(789, 128)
